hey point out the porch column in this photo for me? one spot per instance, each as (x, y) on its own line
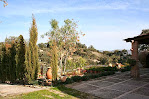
(135, 69)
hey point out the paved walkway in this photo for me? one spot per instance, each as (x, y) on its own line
(118, 86)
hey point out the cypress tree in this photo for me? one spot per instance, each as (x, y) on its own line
(54, 61)
(28, 68)
(3, 65)
(32, 53)
(20, 59)
(0, 68)
(12, 66)
(34, 49)
(1, 62)
(8, 61)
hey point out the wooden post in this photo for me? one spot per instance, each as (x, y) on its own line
(135, 69)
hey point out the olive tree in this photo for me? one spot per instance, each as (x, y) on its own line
(66, 38)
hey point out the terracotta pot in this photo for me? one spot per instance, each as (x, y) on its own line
(49, 73)
(63, 78)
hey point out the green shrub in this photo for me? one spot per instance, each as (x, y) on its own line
(109, 72)
(99, 75)
(85, 78)
(104, 73)
(112, 72)
(68, 81)
(95, 76)
(127, 68)
(76, 78)
(102, 69)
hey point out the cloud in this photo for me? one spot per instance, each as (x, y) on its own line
(38, 7)
(97, 6)
(48, 7)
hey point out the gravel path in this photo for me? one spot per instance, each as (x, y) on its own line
(11, 90)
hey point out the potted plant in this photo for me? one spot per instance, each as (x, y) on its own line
(63, 78)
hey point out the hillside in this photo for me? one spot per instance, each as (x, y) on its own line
(90, 54)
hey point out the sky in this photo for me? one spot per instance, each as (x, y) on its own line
(105, 22)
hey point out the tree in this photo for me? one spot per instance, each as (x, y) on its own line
(91, 48)
(103, 60)
(117, 52)
(12, 58)
(33, 48)
(42, 45)
(81, 62)
(32, 66)
(28, 67)
(8, 63)
(54, 61)
(12, 65)
(4, 63)
(20, 58)
(5, 2)
(66, 38)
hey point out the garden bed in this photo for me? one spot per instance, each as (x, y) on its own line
(94, 72)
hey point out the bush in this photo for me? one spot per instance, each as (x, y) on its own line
(104, 73)
(95, 75)
(68, 81)
(112, 72)
(85, 78)
(102, 69)
(123, 70)
(127, 68)
(92, 76)
(76, 78)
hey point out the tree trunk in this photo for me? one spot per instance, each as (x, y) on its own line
(65, 63)
(61, 64)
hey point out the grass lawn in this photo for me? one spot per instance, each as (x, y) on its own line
(60, 92)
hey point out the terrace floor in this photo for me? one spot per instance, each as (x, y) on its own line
(118, 86)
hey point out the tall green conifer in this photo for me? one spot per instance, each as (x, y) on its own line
(20, 58)
(12, 66)
(3, 67)
(0, 66)
(32, 53)
(28, 67)
(54, 61)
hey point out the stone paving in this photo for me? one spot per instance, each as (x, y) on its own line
(118, 86)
